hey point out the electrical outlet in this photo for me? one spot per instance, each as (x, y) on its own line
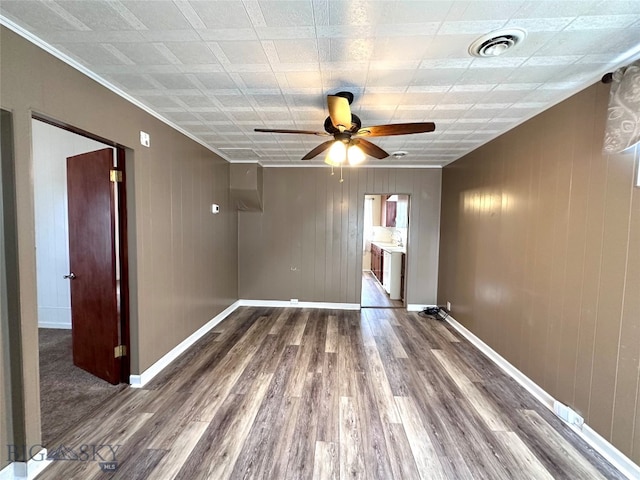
(575, 419)
(448, 306)
(568, 415)
(561, 410)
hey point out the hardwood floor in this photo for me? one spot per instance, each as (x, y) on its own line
(324, 394)
(374, 295)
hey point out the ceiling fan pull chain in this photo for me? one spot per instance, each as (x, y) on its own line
(341, 179)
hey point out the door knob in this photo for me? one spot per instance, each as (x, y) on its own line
(71, 276)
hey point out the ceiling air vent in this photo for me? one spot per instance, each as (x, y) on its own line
(399, 154)
(496, 43)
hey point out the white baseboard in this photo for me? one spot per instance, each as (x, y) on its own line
(289, 304)
(60, 326)
(26, 470)
(54, 317)
(618, 459)
(139, 381)
(7, 473)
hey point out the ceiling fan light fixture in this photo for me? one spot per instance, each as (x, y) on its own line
(337, 154)
(329, 161)
(355, 156)
(496, 43)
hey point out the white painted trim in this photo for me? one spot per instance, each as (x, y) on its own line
(318, 165)
(26, 470)
(618, 459)
(288, 304)
(60, 326)
(418, 307)
(139, 381)
(623, 59)
(7, 472)
(35, 467)
(93, 76)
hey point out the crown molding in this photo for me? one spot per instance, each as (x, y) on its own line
(38, 42)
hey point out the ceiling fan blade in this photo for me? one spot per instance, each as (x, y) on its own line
(396, 129)
(318, 150)
(371, 149)
(278, 130)
(339, 111)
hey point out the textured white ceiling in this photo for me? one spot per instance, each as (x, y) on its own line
(219, 69)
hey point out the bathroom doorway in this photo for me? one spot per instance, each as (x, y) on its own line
(384, 250)
(81, 273)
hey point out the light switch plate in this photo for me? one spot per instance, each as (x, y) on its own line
(145, 140)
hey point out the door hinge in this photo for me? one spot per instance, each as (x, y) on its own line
(120, 351)
(115, 175)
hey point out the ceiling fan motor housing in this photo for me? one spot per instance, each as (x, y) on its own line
(356, 123)
(344, 137)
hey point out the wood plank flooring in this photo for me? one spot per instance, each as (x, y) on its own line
(374, 294)
(324, 394)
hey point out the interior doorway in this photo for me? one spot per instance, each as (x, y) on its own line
(384, 250)
(71, 389)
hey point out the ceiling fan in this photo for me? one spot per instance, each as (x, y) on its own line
(348, 143)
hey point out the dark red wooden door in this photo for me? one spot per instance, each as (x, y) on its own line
(92, 258)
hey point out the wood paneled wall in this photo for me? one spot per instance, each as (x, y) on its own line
(540, 257)
(307, 244)
(183, 259)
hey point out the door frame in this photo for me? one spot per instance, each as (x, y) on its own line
(405, 300)
(123, 252)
